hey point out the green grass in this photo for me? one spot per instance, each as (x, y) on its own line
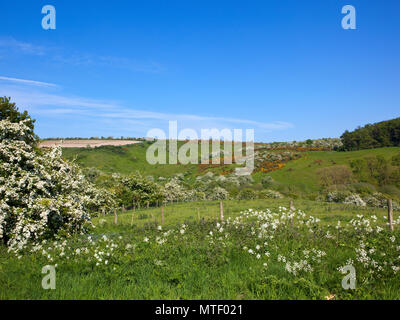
(190, 266)
(329, 213)
(302, 173)
(123, 159)
(132, 158)
(299, 175)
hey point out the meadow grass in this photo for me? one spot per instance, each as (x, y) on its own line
(329, 213)
(136, 260)
(123, 159)
(302, 173)
(132, 158)
(299, 175)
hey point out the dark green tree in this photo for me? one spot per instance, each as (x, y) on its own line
(377, 135)
(9, 111)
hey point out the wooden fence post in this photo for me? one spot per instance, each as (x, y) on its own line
(162, 215)
(133, 214)
(221, 211)
(291, 211)
(390, 214)
(115, 216)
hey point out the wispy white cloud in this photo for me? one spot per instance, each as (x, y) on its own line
(12, 44)
(130, 64)
(124, 113)
(81, 59)
(28, 82)
(114, 114)
(89, 60)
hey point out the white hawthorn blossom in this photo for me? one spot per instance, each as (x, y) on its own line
(40, 193)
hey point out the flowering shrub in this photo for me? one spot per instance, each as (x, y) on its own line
(174, 191)
(337, 196)
(356, 200)
(308, 145)
(218, 193)
(377, 199)
(141, 190)
(269, 194)
(40, 193)
(372, 201)
(247, 194)
(200, 195)
(270, 161)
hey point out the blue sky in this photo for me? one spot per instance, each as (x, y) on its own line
(284, 68)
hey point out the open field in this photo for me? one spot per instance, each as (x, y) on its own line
(85, 143)
(300, 174)
(199, 150)
(125, 160)
(259, 250)
(328, 213)
(250, 256)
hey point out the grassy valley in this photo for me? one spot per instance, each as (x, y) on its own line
(113, 226)
(297, 177)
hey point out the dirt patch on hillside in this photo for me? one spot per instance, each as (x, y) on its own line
(85, 143)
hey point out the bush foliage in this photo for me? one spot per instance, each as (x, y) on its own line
(381, 134)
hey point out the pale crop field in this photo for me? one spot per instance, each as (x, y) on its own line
(85, 143)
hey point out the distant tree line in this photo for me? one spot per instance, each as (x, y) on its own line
(377, 135)
(93, 138)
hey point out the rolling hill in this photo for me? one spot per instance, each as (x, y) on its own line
(296, 176)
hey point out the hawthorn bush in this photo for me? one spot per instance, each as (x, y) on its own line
(41, 194)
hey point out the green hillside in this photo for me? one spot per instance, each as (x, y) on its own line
(124, 160)
(302, 172)
(131, 158)
(298, 176)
